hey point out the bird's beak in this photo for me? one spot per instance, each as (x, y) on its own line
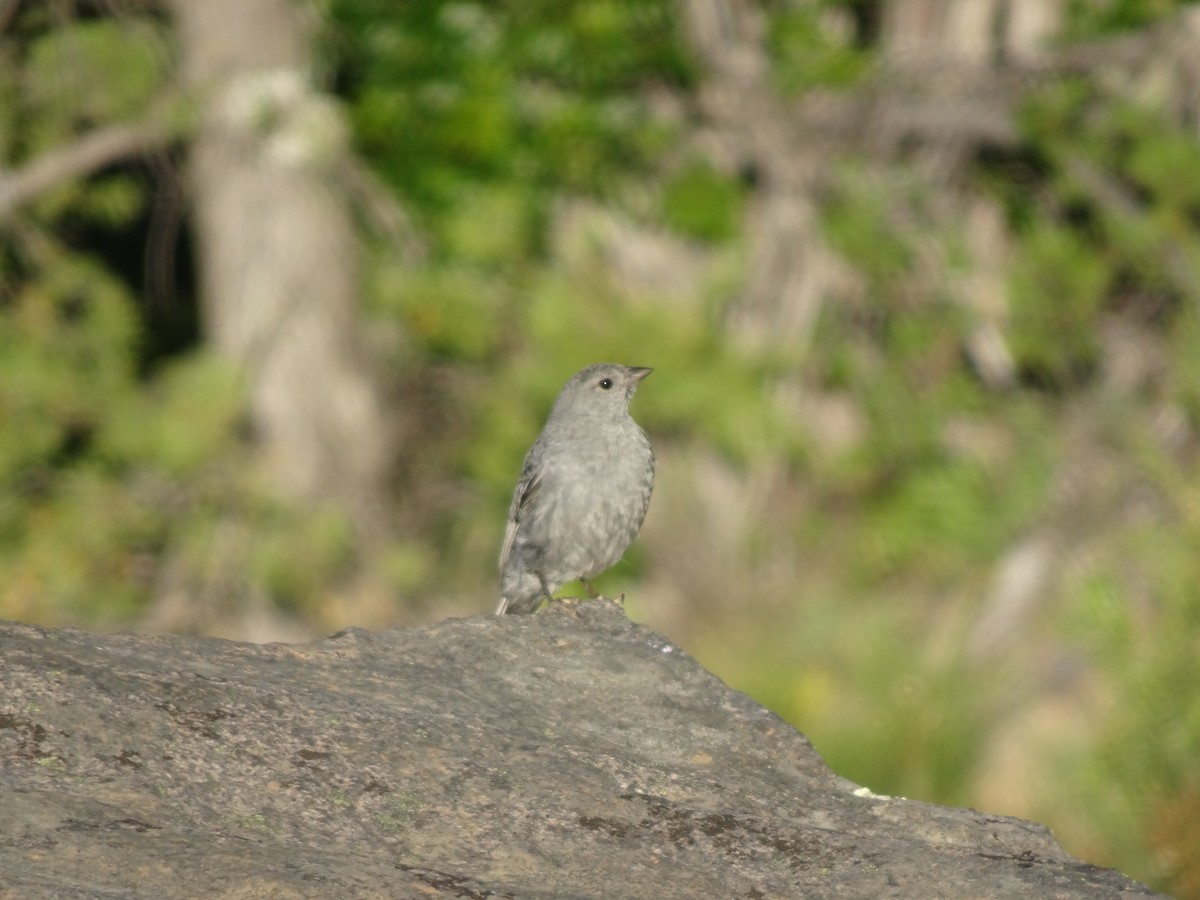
(639, 372)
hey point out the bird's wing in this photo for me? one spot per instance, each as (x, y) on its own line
(527, 487)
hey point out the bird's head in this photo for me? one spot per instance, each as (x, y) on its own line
(601, 392)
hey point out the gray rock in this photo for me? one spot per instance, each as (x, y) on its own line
(571, 754)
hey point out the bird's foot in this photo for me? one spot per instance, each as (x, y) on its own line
(620, 600)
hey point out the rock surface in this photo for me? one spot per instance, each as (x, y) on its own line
(570, 754)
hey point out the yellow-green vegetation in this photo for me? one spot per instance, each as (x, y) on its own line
(851, 578)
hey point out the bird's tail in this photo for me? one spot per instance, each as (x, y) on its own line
(502, 608)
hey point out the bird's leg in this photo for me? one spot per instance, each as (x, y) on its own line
(551, 599)
(547, 594)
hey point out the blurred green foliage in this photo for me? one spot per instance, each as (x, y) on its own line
(494, 125)
(1093, 18)
(545, 95)
(114, 482)
(812, 46)
(1112, 231)
(702, 203)
(1102, 205)
(92, 72)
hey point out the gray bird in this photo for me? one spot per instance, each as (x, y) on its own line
(583, 491)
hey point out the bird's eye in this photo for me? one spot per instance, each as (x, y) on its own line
(606, 383)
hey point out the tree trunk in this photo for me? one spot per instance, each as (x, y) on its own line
(975, 33)
(277, 251)
(750, 128)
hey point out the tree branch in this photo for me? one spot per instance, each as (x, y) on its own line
(90, 153)
(939, 101)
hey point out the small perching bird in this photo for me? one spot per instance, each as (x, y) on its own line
(583, 491)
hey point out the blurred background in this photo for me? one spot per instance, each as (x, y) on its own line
(287, 289)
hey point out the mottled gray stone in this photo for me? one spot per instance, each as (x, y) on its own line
(570, 754)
